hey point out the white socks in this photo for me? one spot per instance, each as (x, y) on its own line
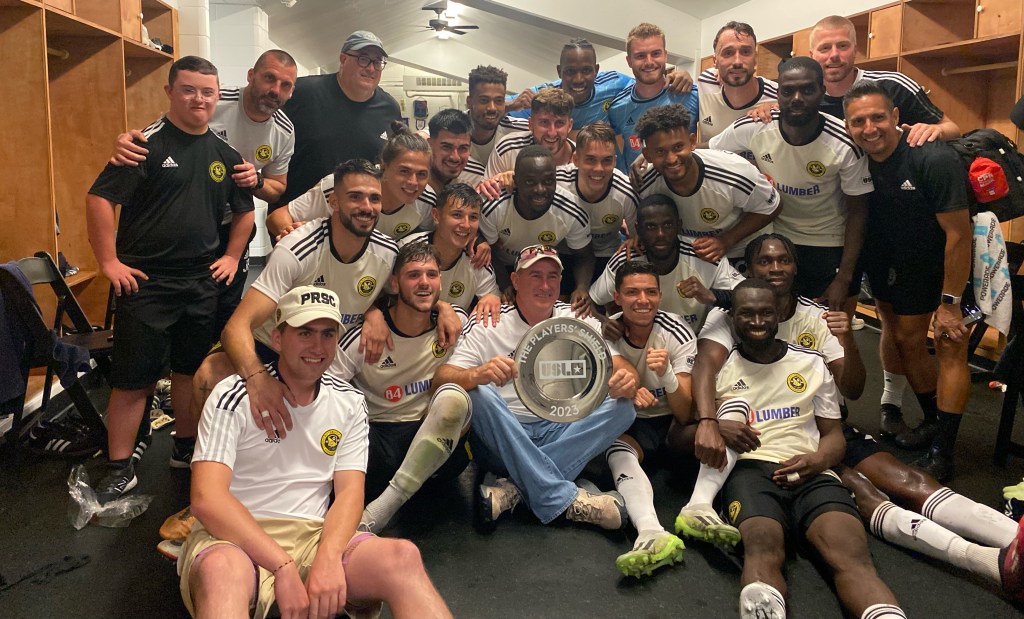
(449, 413)
(905, 528)
(883, 611)
(759, 600)
(710, 480)
(970, 519)
(634, 486)
(893, 386)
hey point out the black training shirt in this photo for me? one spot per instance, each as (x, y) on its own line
(906, 94)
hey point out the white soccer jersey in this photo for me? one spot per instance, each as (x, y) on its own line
(717, 112)
(721, 276)
(784, 398)
(313, 204)
(290, 477)
(306, 258)
(479, 154)
(508, 233)
(606, 214)
(479, 343)
(671, 333)
(811, 179)
(406, 219)
(461, 282)
(806, 327)
(267, 145)
(728, 187)
(503, 158)
(397, 387)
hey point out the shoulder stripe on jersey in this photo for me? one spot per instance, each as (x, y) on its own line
(231, 398)
(615, 262)
(475, 167)
(307, 245)
(648, 179)
(566, 176)
(230, 94)
(708, 77)
(811, 303)
(802, 349)
(511, 122)
(572, 209)
(562, 305)
(842, 136)
(491, 205)
(770, 88)
(734, 405)
(339, 385)
(282, 121)
(351, 336)
(515, 143)
(729, 177)
(674, 326)
(625, 95)
(153, 128)
(505, 309)
(606, 76)
(894, 76)
(379, 238)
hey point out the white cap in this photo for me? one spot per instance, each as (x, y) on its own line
(301, 306)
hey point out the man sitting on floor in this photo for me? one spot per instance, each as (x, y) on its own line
(267, 532)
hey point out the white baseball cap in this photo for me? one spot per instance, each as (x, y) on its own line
(301, 306)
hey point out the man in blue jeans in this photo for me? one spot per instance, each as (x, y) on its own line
(542, 457)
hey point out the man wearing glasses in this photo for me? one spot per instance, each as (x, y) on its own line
(341, 116)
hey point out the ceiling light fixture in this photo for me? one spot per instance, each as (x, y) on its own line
(444, 35)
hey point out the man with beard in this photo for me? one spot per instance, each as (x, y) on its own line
(415, 430)
(786, 486)
(822, 177)
(722, 199)
(550, 124)
(646, 56)
(697, 284)
(538, 211)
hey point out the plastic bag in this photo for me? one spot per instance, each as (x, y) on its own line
(84, 508)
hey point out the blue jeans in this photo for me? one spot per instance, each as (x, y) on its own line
(543, 458)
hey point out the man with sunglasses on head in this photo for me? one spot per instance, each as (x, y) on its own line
(341, 116)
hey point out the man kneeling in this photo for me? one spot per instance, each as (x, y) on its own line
(268, 531)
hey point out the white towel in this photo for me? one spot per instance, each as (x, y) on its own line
(990, 276)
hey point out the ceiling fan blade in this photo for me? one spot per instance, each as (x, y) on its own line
(467, 27)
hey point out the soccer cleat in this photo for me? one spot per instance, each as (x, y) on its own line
(1011, 566)
(653, 549)
(892, 423)
(181, 453)
(606, 509)
(119, 480)
(703, 523)
(920, 437)
(495, 500)
(936, 464)
(759, 602)
(1014, 505)
(178, 526)
(170, 549)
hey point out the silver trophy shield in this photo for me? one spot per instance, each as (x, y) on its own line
(564, 366)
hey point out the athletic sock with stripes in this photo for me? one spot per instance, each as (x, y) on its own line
(969, 519)
(710, 480)
(883, 611)
(632, 483)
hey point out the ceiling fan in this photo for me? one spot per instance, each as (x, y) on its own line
(440, 23)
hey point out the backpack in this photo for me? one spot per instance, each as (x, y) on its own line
(995, 173)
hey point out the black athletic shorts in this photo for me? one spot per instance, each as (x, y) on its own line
(389, 443)
(859, 446)
(817, 267)
(650, 432)
(230, 295)
(167, 320)
(910, 287)
(750, 492)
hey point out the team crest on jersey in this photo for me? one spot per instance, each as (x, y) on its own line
(734, 511)
(456, 289)
(546, 237)
(708, 215)
(402, 228)
(609, 219)
(438, 350)
(366, 286)
(796, 383)
(264, 153)
(217, 171)
(329, 441)
(806, 340)
(816, 169)
(606, 106)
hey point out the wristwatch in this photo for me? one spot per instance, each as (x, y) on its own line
(949, 299)
(259, 182)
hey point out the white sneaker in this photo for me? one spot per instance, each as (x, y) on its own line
(607, 509)
(702, 522)
(495, 500)
(856, 323)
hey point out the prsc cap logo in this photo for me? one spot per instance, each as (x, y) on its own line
(329, 441)
(456, 289)
(402, 228)
(816, 169)
(264, 153)
(438, 350)
(366, 286)
(796, 383)
(546, 237)
(734, 511)
(708, 215)
(609, 219)
(217, 171)
(806, 340)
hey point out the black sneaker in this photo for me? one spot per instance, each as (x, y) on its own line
(936, 464)
(892, 423)
(119, 480)
(920, 437)
(181, 453)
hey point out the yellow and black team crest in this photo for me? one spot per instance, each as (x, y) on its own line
(217, 171)
(708, 215)
(329, 441)
(606, 105)
(438, 350)
(264, 153)
(456, 289)
(796, 383)
(734, 511)
(402, 228)
(806, 339)
(816, 169)
(366, 286)
(609, 219)
(546, 237)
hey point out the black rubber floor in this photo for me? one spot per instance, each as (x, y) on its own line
(523, 569)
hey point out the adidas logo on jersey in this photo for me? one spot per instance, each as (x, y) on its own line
(388, 363)
(707, 121)
(767, 157)
(168, 163)
(630, 121)
(384, 135)
(320, 281)
(907, 186)
(740, 386)
(505, 232)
